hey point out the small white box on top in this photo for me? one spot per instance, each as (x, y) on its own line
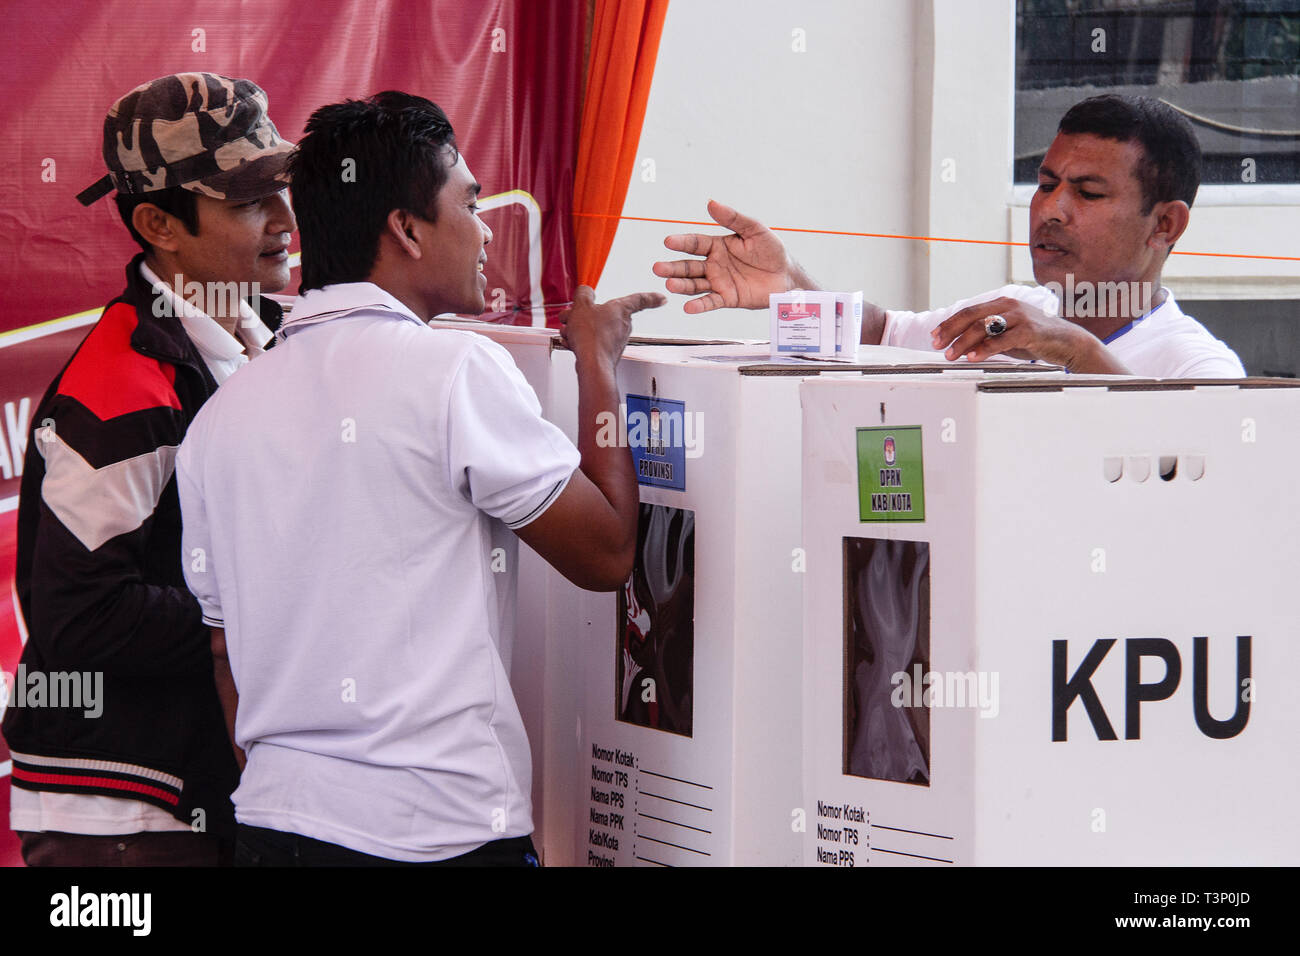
(848, 323)
(803, 323)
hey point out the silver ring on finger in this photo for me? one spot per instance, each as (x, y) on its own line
(994, 325)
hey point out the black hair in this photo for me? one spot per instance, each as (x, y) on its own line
(180, 202)
(356, 162)
(1170, 167)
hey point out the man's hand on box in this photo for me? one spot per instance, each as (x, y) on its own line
(600, 331)
(738, 271)
(1029, 333)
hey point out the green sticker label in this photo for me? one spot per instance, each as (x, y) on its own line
(891, 477)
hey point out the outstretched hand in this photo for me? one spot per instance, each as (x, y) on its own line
(739, 270)
(601, 330)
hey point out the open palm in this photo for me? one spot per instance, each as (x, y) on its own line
(739, 270)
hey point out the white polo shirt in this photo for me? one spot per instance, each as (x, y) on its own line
(346, 543)
(1164, 343)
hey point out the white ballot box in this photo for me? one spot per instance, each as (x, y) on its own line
(1050, 621)
(689, 732)
(688, 708)
(537, 616)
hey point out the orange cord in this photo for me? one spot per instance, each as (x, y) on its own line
(886, 235)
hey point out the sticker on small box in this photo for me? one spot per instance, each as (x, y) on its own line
(803, 323)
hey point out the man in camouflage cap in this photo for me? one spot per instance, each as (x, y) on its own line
(205, 132)
(141, 769)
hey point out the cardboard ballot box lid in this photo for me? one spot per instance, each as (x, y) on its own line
(753, 357)
(654, 340)
(749, 358)
(1009, 381)
(526, 333)
(1124, 383)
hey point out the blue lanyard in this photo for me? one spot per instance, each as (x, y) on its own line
(1121, 330)
(1129, 327)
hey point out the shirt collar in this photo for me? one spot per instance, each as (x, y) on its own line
(1168, 305)
(205, 332)
(1167, 300)
(337, 301)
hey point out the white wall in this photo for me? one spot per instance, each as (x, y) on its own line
(967, 162)
(822, 139)
(889, 96)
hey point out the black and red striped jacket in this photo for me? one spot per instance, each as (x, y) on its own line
(99, 575)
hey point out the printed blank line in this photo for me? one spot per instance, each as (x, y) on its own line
(678, 779)
(647, 793)
(881, 849)
(655, 862)
(675, 823)
(642, 836)
(937, 836)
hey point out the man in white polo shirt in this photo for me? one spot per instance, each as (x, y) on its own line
(356, 604)
(1114, 195)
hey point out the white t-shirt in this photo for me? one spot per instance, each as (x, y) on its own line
(1162, 344)
(347, 544)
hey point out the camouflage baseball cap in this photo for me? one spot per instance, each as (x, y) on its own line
(206, 133)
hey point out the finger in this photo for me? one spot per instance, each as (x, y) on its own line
(680, 268)
(638, 301)
(1008, 342)
(584, 295)
(688, 286)
(973, 337)
(706, 303)
(728, 218)
(959, 321)
(954, 327)
(692, 243)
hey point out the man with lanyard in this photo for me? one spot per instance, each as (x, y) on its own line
(1114, 194)
(143, 776)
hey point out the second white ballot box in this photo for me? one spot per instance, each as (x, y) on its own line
(1050, 622)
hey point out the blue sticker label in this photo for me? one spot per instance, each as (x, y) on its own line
(656, 434)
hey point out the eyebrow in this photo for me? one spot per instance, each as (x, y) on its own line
(1076, 180)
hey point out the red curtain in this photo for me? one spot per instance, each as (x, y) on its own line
(508, 73)
(624, 44)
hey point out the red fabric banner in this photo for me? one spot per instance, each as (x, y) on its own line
(507, 73)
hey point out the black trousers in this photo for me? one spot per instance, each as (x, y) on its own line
(258, 846)
(168, 848)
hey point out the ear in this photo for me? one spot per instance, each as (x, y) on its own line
(158, 228)
(403, 229)
(1171, 220)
